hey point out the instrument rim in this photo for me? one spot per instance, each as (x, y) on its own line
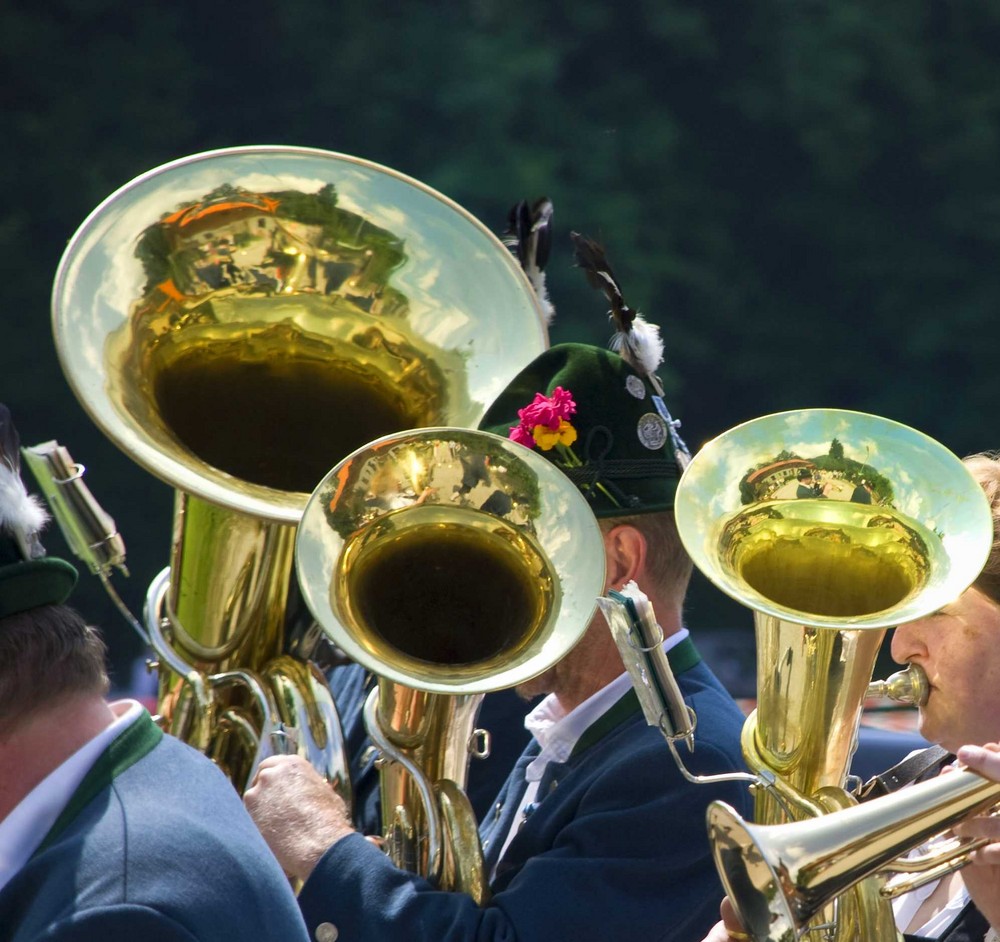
(692, 494)
(580, 568)
(280, 507)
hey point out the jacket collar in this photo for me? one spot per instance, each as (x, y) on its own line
(136, 741)
(681, 657)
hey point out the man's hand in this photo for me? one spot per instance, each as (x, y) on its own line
(730, 928)
(982, 878)
(297, 811)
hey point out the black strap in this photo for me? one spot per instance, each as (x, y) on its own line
(969, 926)
(912, 769)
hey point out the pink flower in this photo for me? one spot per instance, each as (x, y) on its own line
(563, 398)
(548, 411)
(544, 421)
(522, 436)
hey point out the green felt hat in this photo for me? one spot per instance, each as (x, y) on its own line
(601, 421)
(28, 578)
(31, 583)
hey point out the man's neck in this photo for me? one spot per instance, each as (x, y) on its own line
(44, 741)
(596, 662)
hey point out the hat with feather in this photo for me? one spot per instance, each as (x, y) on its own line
(28, 578)
(599, 414)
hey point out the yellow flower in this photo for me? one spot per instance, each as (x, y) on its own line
(547, 438)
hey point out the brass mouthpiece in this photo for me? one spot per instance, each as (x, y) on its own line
(906, 686)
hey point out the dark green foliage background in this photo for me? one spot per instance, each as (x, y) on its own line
(804, 194)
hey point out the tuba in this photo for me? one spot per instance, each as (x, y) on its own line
(450, 563)
(831, 526)
(237, 322)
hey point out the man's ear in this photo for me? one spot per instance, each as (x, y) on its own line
(625, 549)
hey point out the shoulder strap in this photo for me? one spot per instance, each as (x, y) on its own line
(912, 769)
(969, 926)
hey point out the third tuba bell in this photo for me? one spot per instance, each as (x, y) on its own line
(832, 526)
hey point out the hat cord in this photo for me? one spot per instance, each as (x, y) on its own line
(598, 471)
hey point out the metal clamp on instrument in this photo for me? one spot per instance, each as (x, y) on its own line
(639, 638)
(90, 532)
(640, 642)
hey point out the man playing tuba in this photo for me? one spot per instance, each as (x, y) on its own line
(595, 834)
(957, 648)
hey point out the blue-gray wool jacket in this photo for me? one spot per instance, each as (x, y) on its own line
(154, 846)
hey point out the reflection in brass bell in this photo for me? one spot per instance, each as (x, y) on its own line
(239, 321)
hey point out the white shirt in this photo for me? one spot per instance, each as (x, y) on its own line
(905, 907)
(26, 826)
(558, 732)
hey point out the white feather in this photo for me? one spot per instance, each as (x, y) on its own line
(21, 514)
(537, 279)
(641, 347)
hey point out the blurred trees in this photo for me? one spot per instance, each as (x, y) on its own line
(804, 194)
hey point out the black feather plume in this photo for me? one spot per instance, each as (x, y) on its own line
(636, 340)
(529, 238)
(591, 258)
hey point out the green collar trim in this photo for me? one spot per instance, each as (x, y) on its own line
(681, 657)
(125, 750)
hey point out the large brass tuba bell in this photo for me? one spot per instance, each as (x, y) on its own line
(831, 526)
(450, 563)
(237, 322)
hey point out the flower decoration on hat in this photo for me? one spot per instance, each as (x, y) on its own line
(545, 424)
(545, 421)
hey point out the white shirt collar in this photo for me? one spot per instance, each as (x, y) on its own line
(558, 732)
(31, 819)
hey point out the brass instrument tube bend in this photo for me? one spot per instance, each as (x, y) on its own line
(390, 753)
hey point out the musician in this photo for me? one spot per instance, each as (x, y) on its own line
(109, 829)
(595, 834)
(808, 486)
(958, 647)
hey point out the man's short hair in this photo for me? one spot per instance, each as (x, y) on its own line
(46, 654)
(985, 468)
(667, 561)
